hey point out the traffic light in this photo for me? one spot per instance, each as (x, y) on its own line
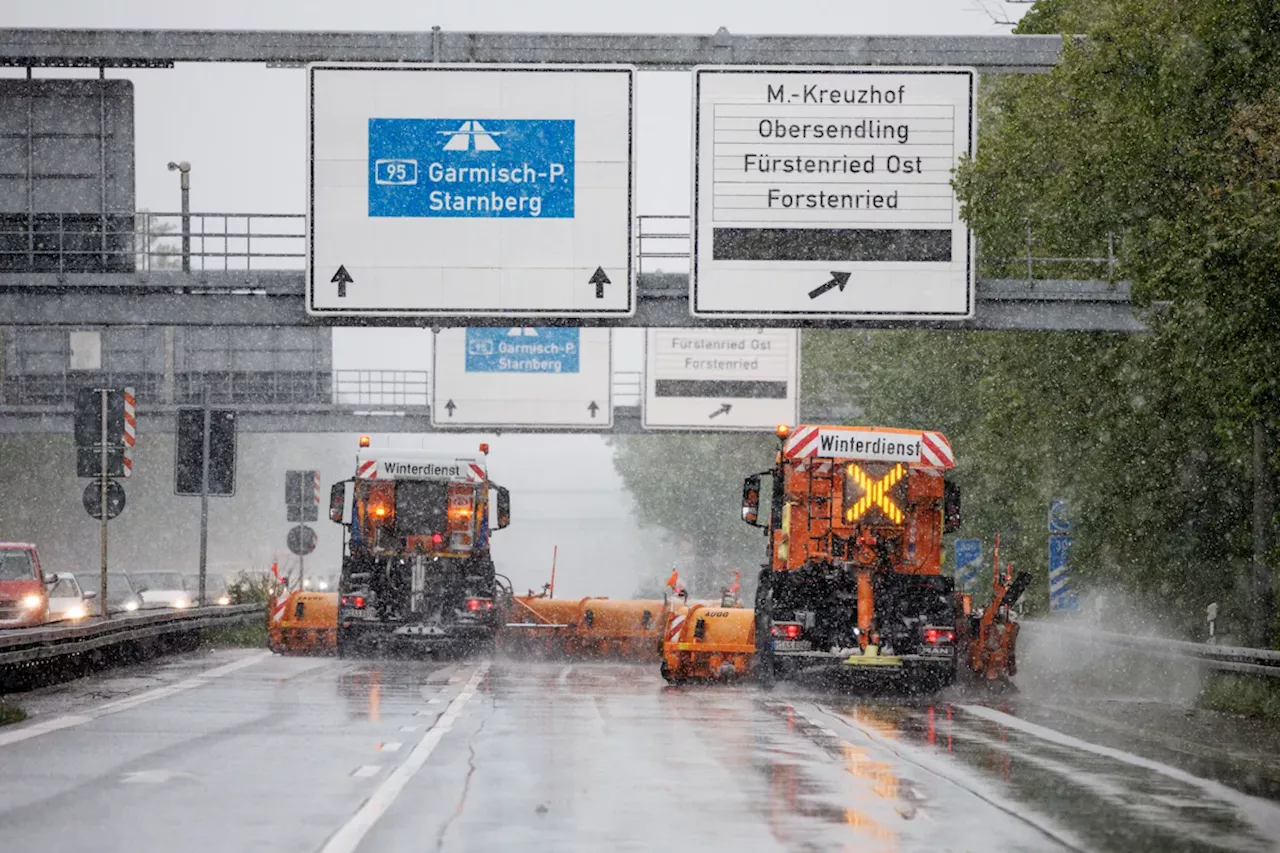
(188, 461)
(88, 433)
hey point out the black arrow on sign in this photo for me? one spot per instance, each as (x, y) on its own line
(723, 410)
(449, 406)
(599, 278)
(593, 408)
(342, 278)
(838, 279)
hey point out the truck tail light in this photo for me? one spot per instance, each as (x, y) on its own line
(937, 636)
(356, 601)
(786, 630)
(476, 605)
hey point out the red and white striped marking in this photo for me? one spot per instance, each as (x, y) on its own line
(803, 442)
(475, 472)
(674, 626)
(277, 611)
(935, 450)
(820, 466)
(316, 476)
(368, 469)
(130, 429)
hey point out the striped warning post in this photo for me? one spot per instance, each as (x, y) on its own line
(316, 477)
(278, 605)
(130, 430)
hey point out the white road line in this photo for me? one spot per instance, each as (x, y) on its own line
(408, 729)
(1265, 812)
(346, 839)
(389, 746)
(564, 674)
(367, 771)
(118, 705)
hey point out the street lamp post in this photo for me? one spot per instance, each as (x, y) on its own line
(184, 170)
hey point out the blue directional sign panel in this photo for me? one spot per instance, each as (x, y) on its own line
(459, 167)
(968, 563)
(1061, 595)
(471, 191)
(523, 350)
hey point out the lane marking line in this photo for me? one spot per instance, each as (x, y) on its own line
(128, 702)
(408, 729)
(389, 746)
(1217, 789)
(349, 836)
(367, 771)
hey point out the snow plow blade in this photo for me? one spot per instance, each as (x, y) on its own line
(704, 641)
(307, 624)
(619, 629)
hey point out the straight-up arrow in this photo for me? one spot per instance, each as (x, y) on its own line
(599, 278)
(838, 279)
(342, 278)
(723, 410)
(593, 408)
(449, 407)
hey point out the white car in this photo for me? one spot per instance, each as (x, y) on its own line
(161, 589)
(67, 600)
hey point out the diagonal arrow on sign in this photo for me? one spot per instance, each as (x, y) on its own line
(723, 410)
(838, 280)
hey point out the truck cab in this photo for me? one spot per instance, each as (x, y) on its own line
(416, 564)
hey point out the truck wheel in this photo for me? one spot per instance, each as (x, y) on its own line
(766, 672)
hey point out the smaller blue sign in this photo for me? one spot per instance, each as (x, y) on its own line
(1061, 596)
(1058, 521)
(968, 563)
(522, 350)
(471, 168)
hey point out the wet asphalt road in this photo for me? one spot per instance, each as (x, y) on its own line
(254, 752)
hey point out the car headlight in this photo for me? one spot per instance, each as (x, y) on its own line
(131, 605)
(224, 600)
(180, 603)
(34, 601)
(76, 612)
(324, 585)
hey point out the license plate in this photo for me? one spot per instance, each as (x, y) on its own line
(792, 645)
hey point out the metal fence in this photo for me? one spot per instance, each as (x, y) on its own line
(278, 241)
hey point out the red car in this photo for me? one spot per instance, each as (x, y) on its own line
(24, 598)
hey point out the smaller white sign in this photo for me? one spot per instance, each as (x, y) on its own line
(721, 379)
(522, 376)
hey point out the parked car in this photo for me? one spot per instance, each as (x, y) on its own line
(161, 589)
(67, 599)
(215, 588)
(24, 598)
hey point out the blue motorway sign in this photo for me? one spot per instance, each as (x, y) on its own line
(522, 350)
(968, 563)
(471, 168)
(1061, 595)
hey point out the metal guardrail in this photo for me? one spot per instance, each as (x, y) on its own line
(1262, 662)
(31, 645)
(262, 242)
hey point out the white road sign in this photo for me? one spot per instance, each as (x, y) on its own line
(480, 190)
(721, 379)
(522, 377)
(827, 193)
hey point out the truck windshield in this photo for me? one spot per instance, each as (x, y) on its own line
(422, 507)
(16, 565)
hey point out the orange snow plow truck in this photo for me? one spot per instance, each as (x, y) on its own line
(853, 519)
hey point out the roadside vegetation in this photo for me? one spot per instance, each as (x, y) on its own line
(1242, 694)
(252, 635)
(1158, 136)
(11, 714)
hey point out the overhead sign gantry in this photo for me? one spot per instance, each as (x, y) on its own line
(826, 193)
(485, 191)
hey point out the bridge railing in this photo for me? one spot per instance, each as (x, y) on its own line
(246, 242)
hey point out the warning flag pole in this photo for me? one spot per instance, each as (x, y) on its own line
(555, 552)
